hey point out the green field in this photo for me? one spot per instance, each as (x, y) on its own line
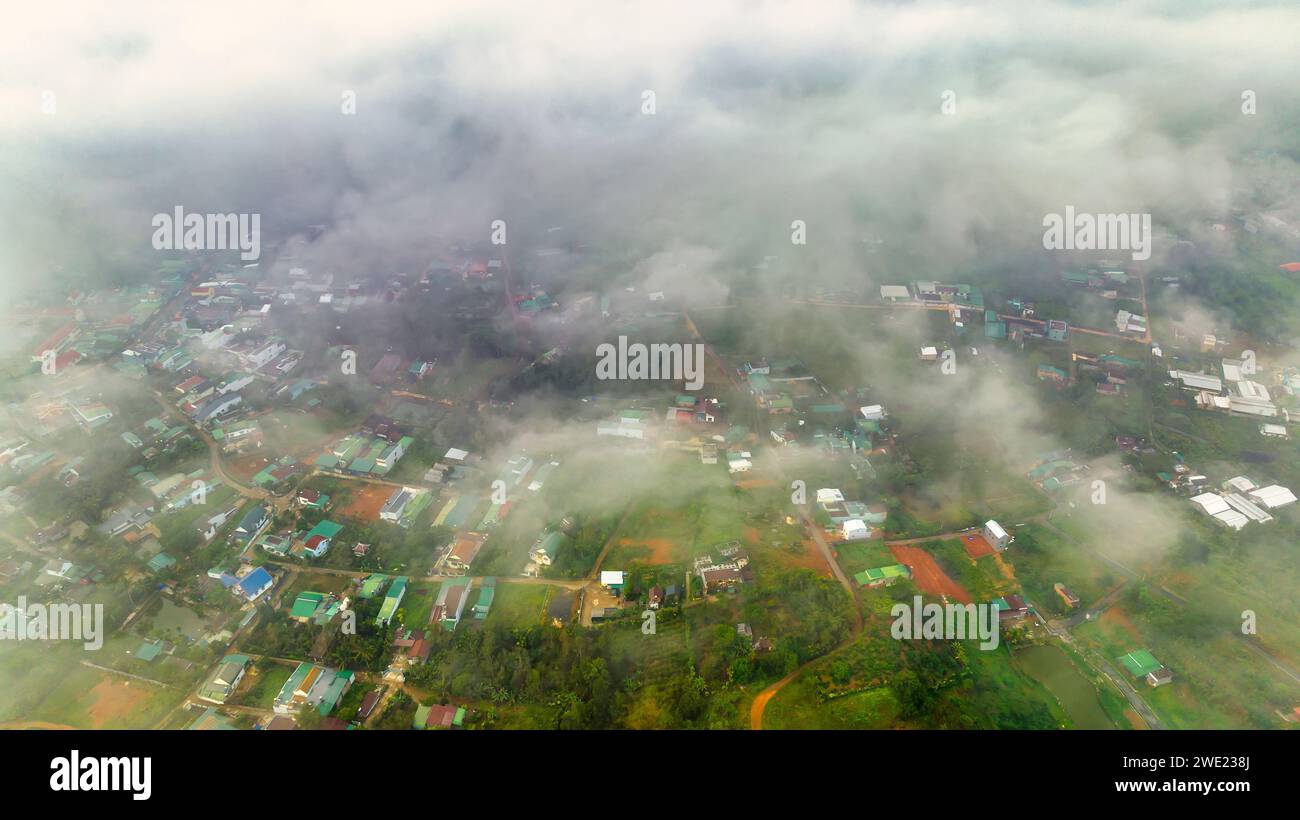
(517, 604)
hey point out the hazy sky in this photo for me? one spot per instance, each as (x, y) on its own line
(532, 112)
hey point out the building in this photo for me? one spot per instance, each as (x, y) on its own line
(252, 524)
(1071, 600)
(312, 685)
(438, 717)
(1213, 505)
(451, 602)
(311, 499)
(1140, 663)
(1012, 608)
(254, 585)
(392, 509)
(392, 600)
(463, 552)
(318, 539)
(1273, 496)
(882, 576)
(1197, 381)
(224, 680)
(996, 536)
(720, 577)
(486, 593)
(855, 529)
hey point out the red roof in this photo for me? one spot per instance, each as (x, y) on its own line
(440, 716)
(314, 541)
(57, 338)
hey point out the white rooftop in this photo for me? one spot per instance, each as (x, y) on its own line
(1211, 503)
(1273, 496)
(610, 577)
(996, 529)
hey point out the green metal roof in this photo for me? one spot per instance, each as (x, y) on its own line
(1140, 662)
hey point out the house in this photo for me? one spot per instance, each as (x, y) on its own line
(216, 406)
(369, 702)
(872, 412)
(227, 676)
(254, 584)
(305, 606)
(895, 293)
(1048, 373)
(996, 536)
(1140, 663)
(318, 539)
(416, 642)
(311, 499)
(1011, 608)
(855, 529)
(451, 602)
(252, 524)
(655, 599)
(463, 552)
(438, 717)
(544, 551)
(276, 543)
(312, 685)
(396, 503)
(882, 576)
(392, 600)
(716, 578)
(1071, 600)
(612, 580)
(739, 462)
(486, 594)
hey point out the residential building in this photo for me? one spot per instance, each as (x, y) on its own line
(227, 676)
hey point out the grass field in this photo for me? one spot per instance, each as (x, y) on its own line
(518, 604)
(265, 679)
(418, 603)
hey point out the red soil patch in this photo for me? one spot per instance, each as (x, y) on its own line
(977, 546)
(1133, 719)
(243, 468)
(367, 501)
(114, 701)
(927, 574)
(753, 483)
(812, 559)
(662, 550)
(1116, 617)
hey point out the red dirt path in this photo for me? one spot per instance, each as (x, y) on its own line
(927, 575)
